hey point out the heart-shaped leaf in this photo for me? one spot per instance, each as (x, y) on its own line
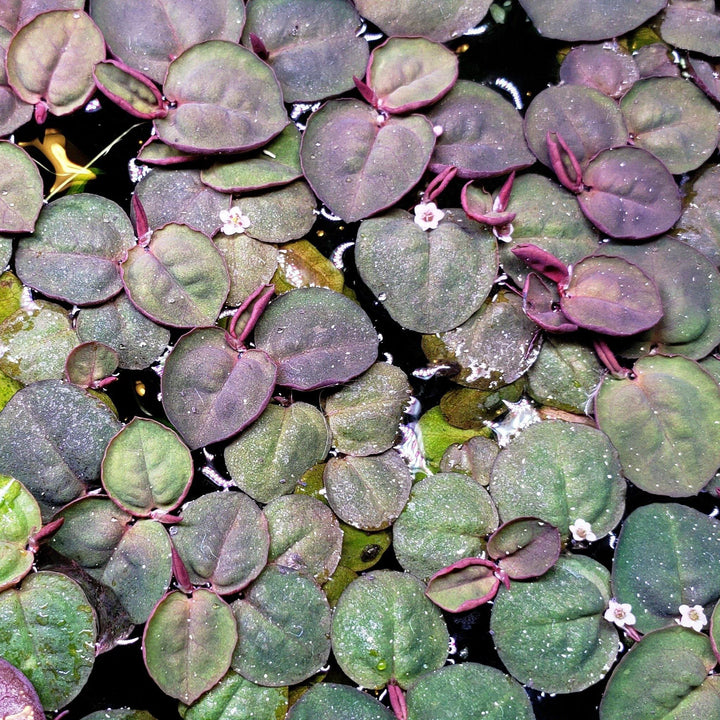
(464, 689)
(408, 73)
(663, 414)
(545, 472)
(446, 519)
(81, 267)
(20, 190)
(223, 540)
(317, 337)
(372, 642)
(204, 634)
(148, 34)
(610, 297)
(269, 458)
(550, 633)
(368, 492)
(312, 45)
(52, 437)
(48, 631)
(305, 535)
(630, 194)
(222, 98)
(209, 392)
(364, 415)
(481, 134)
(147, 468)
(89, 363)
(346, 150)
(665, 674)
(178, 279)
(51, 59)
(283, 625)
(429, 281)
(658, 577)
(672, 118)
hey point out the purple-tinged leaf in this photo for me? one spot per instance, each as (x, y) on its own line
(15, 13)
(18, 698)
(223, 540)
(223, 98)
(148, 34)
(359, 162)
(173, 195)
(405, 74)
(20, 190)
(210, 392)
(50, 60)
(418, 17)
(564, 162)
(672, 119)
(155, 152)
(577, 20)
(179, 279)
(543, 262)
(480, 133)
(203, 632)
(90, 363)
(691, 26)
(630, 194)
(130, 89)
(610, 296)
(464, 585)
(706, 77)
(541, 304)
(479, 205)
(82, 266)
(587, 120)
(525, 548)
(317, 337)
(312, 45)
(607, 67)
(656, 60)
(13, 111)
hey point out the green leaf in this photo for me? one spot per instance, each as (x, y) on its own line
(19, 521)
(663, 420)
(188, 643)
(657, 577)
(48, 632)
(560, 472)
(446, 519)
(283, 626)
(664, 677)
(550, 633)
(329, 701)
(372, 639)
(147, 468)
(21, 190)
(467, 690)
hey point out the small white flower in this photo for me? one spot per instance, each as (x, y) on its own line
(692, 617)
(619, 613)
(234, 221)
(427, 215)
(582, 530)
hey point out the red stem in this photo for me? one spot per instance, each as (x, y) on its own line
(368, 94)
(180, 572)
(503, 197)
(264, 292)
(608, 359)
(573, 184)
(397, 700)
(44, 532)
(439, 183)
(141, 222)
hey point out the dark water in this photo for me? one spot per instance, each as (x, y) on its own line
(512, 52)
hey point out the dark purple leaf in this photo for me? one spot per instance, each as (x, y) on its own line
(541, 303)
(480, 133)
(656, 60)
(317, 337)
(359, 162)
(525, 547)
(691, 26)
(606, 67)
(542, 261)
(610, 296)
(630, 194)
(130, 89)
(209, 391)
(222, 98)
